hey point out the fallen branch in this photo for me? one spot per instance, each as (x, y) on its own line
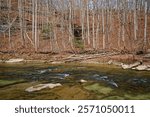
(29, 38)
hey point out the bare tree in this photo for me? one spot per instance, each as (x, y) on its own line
(145, 26)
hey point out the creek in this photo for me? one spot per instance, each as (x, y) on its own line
(100, 82)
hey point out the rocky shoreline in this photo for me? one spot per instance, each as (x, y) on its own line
(139, 66)
(96, 59)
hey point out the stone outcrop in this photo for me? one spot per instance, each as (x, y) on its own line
(136, 66)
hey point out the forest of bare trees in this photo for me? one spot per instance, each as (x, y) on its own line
(74, 25)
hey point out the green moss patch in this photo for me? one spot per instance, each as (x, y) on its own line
(97, 88)
(9, 82)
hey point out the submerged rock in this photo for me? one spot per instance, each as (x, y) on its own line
(98, 77)
(44, 71)
(14, 60)
(98, 88)
(138, 81)
(113, 97)
(42, 86)
(10, 82)
(63, 75)
(106, 79)
(112, 83)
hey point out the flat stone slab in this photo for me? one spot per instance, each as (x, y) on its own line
(141, 68)
(14, 60)
(42, 86)
(125, 66)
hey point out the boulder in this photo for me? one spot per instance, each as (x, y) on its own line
(125, 66)
(112, 83)
(83, 81)
(141, 67)
(14, 60)
(44, 71)
(42, 86)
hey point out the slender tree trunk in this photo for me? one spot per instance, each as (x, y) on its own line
(70, 25)
(88, 23)
(36, 27)
(119, 25)
(9, 30)
(93, 27)
(145, 26)
(33, 21)
(135, 20)
(82, 23)
(97, 30)
(103, 25)
(20, 6)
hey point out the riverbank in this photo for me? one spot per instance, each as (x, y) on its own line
(126, 61)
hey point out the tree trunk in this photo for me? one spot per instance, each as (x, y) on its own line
(145, 26)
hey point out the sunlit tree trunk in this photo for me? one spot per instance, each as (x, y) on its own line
(20, 7)
(103, 25)
(33, 21)
(36, 25)
(88, 23)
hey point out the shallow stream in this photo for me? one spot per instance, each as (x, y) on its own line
(79, 81)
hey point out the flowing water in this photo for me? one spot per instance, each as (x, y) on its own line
(78, 81)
